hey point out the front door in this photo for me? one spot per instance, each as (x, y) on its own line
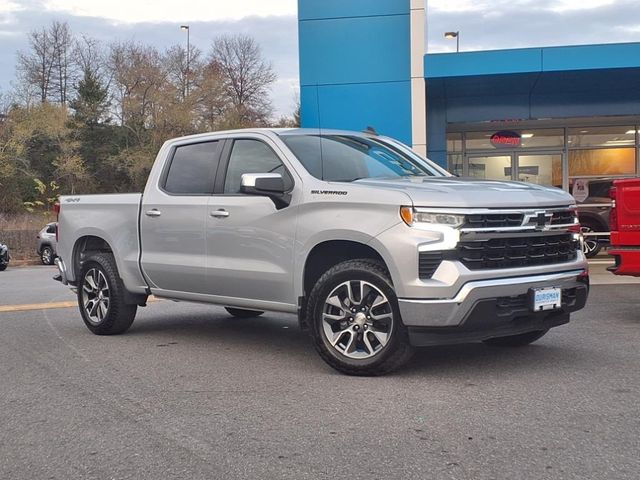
(249, 240)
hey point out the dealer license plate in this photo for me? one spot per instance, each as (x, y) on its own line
(546, 299)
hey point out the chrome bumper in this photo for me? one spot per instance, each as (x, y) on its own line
(452, 312)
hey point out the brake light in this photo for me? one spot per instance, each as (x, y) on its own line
(613, 214)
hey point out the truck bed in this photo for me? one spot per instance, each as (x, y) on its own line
(112, 217)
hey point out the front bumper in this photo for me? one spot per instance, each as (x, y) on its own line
(489, 308)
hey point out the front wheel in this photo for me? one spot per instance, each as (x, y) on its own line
(516, 340)
(101, 295)
(590, 246)
(355, 321)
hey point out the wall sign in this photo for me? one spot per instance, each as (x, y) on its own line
(580, 189)
(506, 139)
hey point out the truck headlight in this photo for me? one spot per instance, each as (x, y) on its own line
(414, 217)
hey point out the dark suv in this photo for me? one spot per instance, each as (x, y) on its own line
(594, 215)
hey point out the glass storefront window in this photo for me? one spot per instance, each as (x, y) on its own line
(478, 141)
(602, 161)
(534, 138)
(601, 136)
(551, 137)
(454, 142)
(490, 167)
(455, 164)
(542, 169)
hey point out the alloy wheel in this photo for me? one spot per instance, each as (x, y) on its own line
(95, 296)
(589, 244)
(357, 319)
(46, 256)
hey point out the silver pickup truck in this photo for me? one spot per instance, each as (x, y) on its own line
(376, 249)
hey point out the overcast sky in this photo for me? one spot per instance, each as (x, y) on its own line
(483, 24)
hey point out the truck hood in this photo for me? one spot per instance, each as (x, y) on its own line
(454, 192)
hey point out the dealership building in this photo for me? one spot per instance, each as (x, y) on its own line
(557, 116)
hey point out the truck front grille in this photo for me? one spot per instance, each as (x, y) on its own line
(493, 220)
(517, 251)
(563, 217)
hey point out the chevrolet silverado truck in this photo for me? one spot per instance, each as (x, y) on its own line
(625, 227)
(375, 249)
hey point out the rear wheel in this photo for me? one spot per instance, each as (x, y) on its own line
(516, 340)
(242, 313)
(355, 321)
(46, 256)
(101, 295)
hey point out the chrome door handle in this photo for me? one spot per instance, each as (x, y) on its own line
(220, 213)
(153, 213)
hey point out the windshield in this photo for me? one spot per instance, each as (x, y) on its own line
(345, 158)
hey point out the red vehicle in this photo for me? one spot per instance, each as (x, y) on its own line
(625, 227)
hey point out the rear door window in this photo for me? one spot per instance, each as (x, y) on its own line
(193, 168)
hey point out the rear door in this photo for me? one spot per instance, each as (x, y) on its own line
(173, 218)
(249, 240)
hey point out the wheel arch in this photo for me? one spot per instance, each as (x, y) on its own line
(84, 247)
(324, 255)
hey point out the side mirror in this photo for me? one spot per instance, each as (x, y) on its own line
(266, 184)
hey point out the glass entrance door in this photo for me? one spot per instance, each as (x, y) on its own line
(490, 167)
(539, 168)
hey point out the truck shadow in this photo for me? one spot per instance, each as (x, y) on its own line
(278, 335)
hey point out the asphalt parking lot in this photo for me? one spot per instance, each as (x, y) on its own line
(191, 393)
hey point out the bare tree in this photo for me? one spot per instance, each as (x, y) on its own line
(138, 80)
(46, 65)
(183, 70)
(90, 57)
(62, 71)
(247, 77)
(35, 65)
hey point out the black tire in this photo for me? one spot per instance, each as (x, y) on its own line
(395, 353)
(46, 256)
(516, 340)
(591, 246)
(243, 313)
(3, 267)
(119, 315)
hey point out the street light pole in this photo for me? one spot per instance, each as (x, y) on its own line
(186, 27)
(455, 35)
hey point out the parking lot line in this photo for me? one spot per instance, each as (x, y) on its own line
(47, 306)
(36, 306)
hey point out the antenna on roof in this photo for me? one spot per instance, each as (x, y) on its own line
(371, 130)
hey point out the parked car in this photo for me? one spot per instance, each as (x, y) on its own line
(376, 249)
(4, 257)
(47, 244)
(594, 216)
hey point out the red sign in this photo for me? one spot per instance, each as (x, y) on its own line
(506, 139)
